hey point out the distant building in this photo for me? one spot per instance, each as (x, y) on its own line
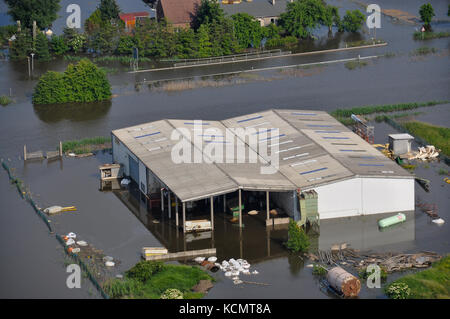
(130, 18)
(178, 12)
(265, 11)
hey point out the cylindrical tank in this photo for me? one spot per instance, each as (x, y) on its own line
(343, 282)
(389, 221)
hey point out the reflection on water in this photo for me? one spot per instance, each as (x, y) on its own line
(255, 242)
(76, 112)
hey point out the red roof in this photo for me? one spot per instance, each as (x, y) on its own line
(179, 11)
(133, 15)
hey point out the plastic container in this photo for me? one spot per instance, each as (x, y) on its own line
(389, 221)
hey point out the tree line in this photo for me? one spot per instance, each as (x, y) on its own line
(212, 33)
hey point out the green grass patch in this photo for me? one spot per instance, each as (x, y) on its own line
(5, 100)
(108, 58)
(430, 35)
(443, 171)
(433, 283)
(319, 270)
(423, 51)
(384, 117)
(351, 65)
(145, 280)
(364, 42)
(436, 135)
(86, 145)
(343, 115)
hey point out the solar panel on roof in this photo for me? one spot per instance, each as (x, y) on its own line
(150, 134)
(250, 119)
(313, 171)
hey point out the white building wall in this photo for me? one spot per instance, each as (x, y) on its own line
(120, 155)
(365, 196)
(387, 195)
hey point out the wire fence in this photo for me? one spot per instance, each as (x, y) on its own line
(83, 266)
(27, 196)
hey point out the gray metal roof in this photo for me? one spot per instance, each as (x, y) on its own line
(257, 8)
(312, 148)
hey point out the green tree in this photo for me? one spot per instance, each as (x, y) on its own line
(126, 45)
(42, 50)
(57, 45)
(44, 12)
(74, 40)
(298, 241)
(83, 82)
(22, 45)
(204, 43)
(331, 17)
(301, 17)
(109, 10)
(248, 30)
(426, 14)
(50, 89)
(187, 45)
(105, 40)
(94, 22)
(209, 11)
(353, 21)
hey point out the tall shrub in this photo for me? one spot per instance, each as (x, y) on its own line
(298, 241)
(83, 82)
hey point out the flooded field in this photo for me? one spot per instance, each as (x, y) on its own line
(120, 223)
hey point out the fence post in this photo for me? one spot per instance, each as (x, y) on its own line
(60, 148)
(24, 152)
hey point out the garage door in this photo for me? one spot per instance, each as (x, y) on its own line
(134, 169)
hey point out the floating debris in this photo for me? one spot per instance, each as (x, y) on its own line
(58, 209)
(425, 153)
(81, 243)
(438, 221)
(389, 261)
(253, 212)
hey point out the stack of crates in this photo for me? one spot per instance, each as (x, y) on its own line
(309, 208)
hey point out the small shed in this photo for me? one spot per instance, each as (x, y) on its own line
(400, 143)
(110, 171)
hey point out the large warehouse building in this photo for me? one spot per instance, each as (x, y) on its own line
(315, 151)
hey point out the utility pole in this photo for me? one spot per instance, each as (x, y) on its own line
(32, 62)
(29, 68)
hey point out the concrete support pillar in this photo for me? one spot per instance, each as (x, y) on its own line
(240, 207)
(267, 205)
(184, 217)
(169, 203)
(212, 212)
(176, 211)
(224, 203)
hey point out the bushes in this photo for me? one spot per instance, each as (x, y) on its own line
(83, 82)
(352, 21)
(5, 100)
(281, 42)
(144, 270)
(398, 291)
(433, 283)
(435, 135)
(156, 280)
(298, 241)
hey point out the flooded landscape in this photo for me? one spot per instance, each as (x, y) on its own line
(120, 220)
